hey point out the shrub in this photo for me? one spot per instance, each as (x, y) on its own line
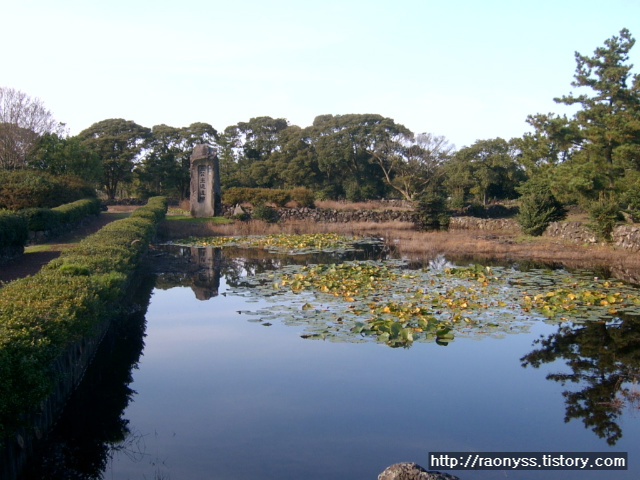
(76, 211)
(330, 192)
(631, 201)
(235, 196)
(256, 196)
(432, 211)
(278, 197)
(354, 192)
(265, 213)
(41, 218)
(14, 229)
(604, 214)
(47, 219)
(537, 211)
(303, 197)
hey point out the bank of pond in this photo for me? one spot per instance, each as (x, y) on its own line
(51, 324)
(325, 356)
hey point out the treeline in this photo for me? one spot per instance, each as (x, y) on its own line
(591, 158)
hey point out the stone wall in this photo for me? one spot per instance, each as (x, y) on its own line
(627, 236)
(575, 232)
(474, 223)
(335, 216)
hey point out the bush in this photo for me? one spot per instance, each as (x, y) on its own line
(604, 214)
(537, 211)
(432, 211)
(40, 219)
(256, 196)
(14, 230)
(265, 213)
(303, 197)
(20, 189)
(631, 201)
(75, 211)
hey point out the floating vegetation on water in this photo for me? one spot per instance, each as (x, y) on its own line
(386, 302)
(284, 243)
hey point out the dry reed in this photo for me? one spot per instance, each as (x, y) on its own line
(472, 245)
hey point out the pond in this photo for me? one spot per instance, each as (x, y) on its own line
(245, 363)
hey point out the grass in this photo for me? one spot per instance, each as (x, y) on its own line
(462, 245)
(38, 248)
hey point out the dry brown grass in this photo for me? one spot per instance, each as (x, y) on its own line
(471, 245)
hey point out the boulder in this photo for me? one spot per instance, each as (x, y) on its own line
(412, 471)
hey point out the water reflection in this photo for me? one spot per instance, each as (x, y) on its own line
(92, 428)
(201, 268)
(604, 360)
(213, 388)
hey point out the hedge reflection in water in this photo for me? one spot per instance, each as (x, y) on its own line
(604, 358)
(92, 428)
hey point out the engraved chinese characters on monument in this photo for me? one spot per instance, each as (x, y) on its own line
(205, 182)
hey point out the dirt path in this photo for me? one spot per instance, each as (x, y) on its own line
(31, 262)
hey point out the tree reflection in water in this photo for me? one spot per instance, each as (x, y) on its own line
(604, 359)
(201, 268)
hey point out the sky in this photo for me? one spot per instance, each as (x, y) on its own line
(466, 70)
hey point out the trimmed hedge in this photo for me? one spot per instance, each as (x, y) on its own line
(40, 219)
(14, 230)
(68, 299)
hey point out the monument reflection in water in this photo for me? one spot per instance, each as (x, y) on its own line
(220, 394)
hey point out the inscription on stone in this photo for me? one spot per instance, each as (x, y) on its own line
(202, 182)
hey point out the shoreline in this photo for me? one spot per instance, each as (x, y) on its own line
(476, 245)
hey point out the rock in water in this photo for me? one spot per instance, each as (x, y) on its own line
(412, 471)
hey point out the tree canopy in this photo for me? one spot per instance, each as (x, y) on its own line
(118, 142)
(597, 150)
(591, 157)
(23, 120)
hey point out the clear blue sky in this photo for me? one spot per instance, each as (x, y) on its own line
(467, 70)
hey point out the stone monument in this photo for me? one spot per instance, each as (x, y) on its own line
(205, 182)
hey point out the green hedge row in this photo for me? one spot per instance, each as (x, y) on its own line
(14, 229)
(48, 219)
(41, 315)
(15, 226)
(304, 197)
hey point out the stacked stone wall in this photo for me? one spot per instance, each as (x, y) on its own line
(335, 216)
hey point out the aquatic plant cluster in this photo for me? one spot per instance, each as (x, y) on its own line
(281, 243)
(387, 302)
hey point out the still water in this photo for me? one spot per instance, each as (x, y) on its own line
(197, 387)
